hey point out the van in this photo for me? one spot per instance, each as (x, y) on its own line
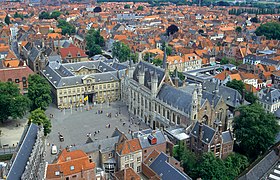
(54, 150)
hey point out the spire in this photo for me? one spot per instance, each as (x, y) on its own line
(164, 57)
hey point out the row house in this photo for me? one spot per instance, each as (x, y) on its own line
(206, 139)
(186, 63)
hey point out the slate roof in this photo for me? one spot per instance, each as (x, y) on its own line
(165, 170)
(22, 157)
(227, 137)
(62, 76)
(34, 53)
(270, 96)
(207, 135)
(106, 145)
(231, 96)
(143, 139)
(149, 71)
(259, 168)
(175, 97)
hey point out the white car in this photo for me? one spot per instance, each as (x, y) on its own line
(54, 150)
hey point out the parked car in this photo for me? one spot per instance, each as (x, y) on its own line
(54, 150)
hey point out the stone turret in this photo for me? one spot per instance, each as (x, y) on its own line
(154, 83)
(194, 105)
(199, 95)
(130, 69)
(141, 75)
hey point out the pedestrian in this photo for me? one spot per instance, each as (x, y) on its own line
(94, 132)
(98, 131)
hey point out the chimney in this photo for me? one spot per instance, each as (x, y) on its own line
(176, 78)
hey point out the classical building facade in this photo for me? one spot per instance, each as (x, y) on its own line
(74, 83)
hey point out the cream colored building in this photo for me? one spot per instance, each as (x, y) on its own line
(186, 63)
(71, 83)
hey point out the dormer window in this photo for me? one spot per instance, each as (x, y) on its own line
(78, 54)
(72, 168)
(69, 55)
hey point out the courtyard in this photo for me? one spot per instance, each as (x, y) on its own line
(76, 124)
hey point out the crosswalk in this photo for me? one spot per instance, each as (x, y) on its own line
(275, 173)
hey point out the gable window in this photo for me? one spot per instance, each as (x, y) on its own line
(72, 168)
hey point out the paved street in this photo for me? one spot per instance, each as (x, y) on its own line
(75, 127)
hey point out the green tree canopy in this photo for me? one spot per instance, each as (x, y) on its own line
(94, 42)
(121, 51)
(17, 15)
(240, 87)
(53, 15)
(255, 130)
(140, 8)
(39, 92)
(238, 29)
(39, 117)
(157, 62)
(270, 30)
(7, 20)
(12, 103)
(236, 84)
(66, 27)
(127, 6)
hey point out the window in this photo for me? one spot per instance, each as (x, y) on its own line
(126, 166)
(145, 151)
(132, 165)
(126, 158)
(138, 169)
(57, 173)
(10, 80)
(75, 176)
(139, 158)
(72, 168)
(17, 80)
(67, 178)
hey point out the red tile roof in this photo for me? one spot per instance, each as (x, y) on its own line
(73, 50)
(78, 159)
(128, 146)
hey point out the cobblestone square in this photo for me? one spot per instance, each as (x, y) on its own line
(75, 125)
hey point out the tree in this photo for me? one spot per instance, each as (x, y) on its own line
(97, 9)
(121, 51)
(235, 163)
(238, 29)
(157, 62)
(12, 103)
(255, 130)
(94, 42)
(17, 15)
(200, 31)
(270, 30)
(38, 92)
(7, 20)
(210, 167)
(66, 27)
(168, 49)
(44, 15)
(237, 85)
(254, 19)
(127, 6)
(224, 61)
(140, 8)
(55, 15)
(172, 29)
(250, 97)
(39, 117)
